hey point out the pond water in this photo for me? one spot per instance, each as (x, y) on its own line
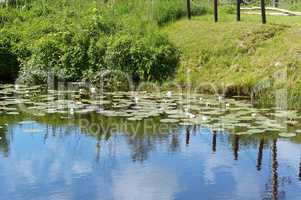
(145, 146)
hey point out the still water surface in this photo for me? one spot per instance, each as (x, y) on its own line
(45, 161)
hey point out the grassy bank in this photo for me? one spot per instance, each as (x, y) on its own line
(76, 40)
(240, 57)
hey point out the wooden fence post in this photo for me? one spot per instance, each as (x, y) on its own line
(238, 2)
(263, 15)
(189, 9)
(216, 10)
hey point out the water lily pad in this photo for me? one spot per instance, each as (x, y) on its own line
(242, 133)
(178, 116)
(8, 109)
(169, 121)
(135, 118)
(26, 122)
(242, 125)
(186, 124)
(287, 135)
(255, 131)
(39, 114)
(12, 113)
(51, 111)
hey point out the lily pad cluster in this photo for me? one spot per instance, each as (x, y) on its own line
(220, 114)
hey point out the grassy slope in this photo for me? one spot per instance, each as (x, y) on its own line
(239, 55)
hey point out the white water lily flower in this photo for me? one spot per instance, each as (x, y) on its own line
(71, 111)
(190, 115)
(204, 118)
(17, 87)
(169, 94)
(93, 90)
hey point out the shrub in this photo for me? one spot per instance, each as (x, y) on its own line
(71, 44)
(145, 58)
(9, 64)
(45, 57)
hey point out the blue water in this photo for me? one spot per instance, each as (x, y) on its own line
(46, 162)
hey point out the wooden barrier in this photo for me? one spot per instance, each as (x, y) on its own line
(216, 10)
(189, 9)
(238, 2)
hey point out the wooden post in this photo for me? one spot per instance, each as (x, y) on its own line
(216, 10)
(238, 2)
(263, 15)
(189, 9)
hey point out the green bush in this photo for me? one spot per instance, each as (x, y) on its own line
(45, 57)
(72, 44)
(9, 64)
(145, 58)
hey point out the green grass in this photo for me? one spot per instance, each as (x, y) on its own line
(237, 57)
(240, 57)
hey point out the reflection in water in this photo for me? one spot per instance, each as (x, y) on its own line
(141, 146)
(146, 184)
(4, 142)
(97, 151)
(259, 157)
(236, 147)
(69, 158)
(214, 142)
(187, 135)
(300, 171)
(274, 170)
(175, 144)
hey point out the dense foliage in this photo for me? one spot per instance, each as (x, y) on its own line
(74, 39)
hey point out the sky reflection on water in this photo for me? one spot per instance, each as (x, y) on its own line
(42, 161)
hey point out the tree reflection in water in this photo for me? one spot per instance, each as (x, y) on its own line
(187, 135)
(4, 142)
(274, 170)
(300, 171)
(214, 142)
(236, 147)
(142, 144)
(260, 152)
(175, 143)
